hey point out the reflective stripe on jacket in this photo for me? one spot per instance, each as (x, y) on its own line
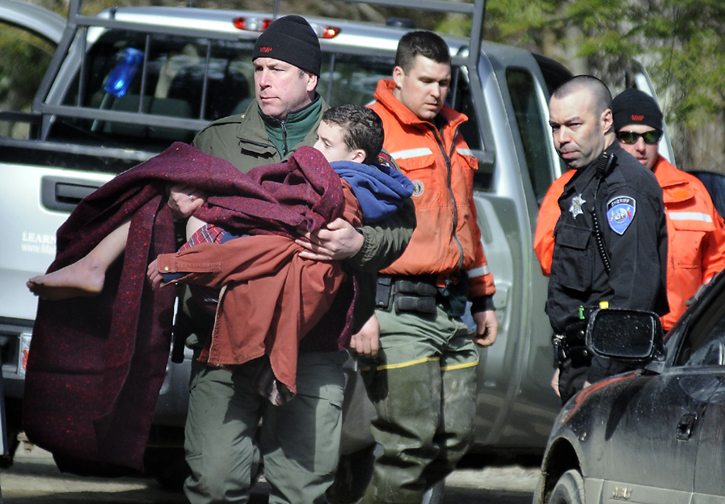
(447, 239)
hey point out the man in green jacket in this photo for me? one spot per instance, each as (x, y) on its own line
(299, 441)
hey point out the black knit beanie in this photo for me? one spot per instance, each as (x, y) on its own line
(635, 107)
(290, 39)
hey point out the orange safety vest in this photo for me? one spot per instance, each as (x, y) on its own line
(446, 239)
(548, 217)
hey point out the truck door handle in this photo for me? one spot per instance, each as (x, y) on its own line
(64, 194)
(685, 426)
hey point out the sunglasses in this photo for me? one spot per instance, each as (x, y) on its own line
(630, 137)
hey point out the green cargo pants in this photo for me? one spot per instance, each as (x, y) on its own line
(423, 386)
(299, 441)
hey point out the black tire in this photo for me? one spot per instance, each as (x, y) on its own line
(13, 442)
(13, 426)
(569, 489)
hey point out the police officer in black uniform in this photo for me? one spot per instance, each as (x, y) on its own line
(611, 238)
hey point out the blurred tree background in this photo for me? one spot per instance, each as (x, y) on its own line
(680, 42)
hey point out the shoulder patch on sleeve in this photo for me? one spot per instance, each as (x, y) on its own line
(620, 213)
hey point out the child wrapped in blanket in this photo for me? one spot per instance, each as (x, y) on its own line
(277, 298)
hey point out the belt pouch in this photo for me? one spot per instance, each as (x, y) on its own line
(419, 288)
(418, 304)
(455, 297)
(384, 291)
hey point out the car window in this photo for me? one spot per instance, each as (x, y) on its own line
(351, 78)
(200, 79)
(157, 74)
(710, 354)
(24, 57)
(715, 185)
(531, 124)
(460, 98)
(704, 342)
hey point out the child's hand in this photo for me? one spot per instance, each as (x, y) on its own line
(184, 200)
(155, 278)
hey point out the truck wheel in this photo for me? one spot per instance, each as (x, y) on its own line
(14, 428)
(569, 489)
(13, 442)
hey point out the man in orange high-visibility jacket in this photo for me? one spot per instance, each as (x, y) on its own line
(695, 231)
(423, 383)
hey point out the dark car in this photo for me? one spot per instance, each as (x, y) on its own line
(655, 435)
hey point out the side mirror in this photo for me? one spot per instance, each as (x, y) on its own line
(628, 335)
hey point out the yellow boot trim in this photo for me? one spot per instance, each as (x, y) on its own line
(465, 365)
(403, 364)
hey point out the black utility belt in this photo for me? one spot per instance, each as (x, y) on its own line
(407, 293)
(421, 294)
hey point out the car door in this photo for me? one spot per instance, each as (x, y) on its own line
(29, 36)
(702, 354)
(651, 438)
(710, 466)
(655, 429)
(679, 447)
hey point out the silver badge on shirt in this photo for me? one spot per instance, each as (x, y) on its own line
(576, 205)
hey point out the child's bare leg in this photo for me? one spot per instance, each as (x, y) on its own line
(86, 276)
(193, 225)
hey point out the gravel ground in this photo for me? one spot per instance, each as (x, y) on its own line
(510, 484)
(34, 479)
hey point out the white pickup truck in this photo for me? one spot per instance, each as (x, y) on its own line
(184, 67)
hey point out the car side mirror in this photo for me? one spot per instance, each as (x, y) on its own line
(629, 335)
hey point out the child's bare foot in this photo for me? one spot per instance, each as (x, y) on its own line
(82, 278)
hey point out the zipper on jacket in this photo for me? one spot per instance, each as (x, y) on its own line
(447, 157)
(283, 125)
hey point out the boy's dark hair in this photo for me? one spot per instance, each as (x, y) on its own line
(361, 127)
(423, 43)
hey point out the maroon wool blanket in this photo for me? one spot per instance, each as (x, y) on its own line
(97, 364)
